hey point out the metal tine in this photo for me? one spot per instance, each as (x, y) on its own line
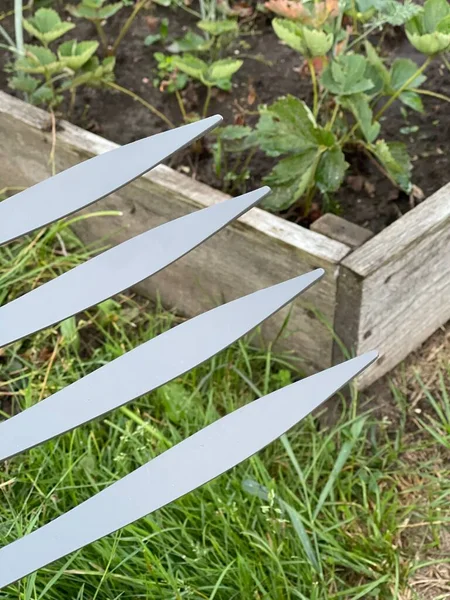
(147, 367)
(181, 469)
(91, 180)
(117, 269)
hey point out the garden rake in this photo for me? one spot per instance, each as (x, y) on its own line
(199, 458)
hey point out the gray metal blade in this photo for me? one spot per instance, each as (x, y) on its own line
(117, 269)
(146, 367)
(92, 180)
(185, 467)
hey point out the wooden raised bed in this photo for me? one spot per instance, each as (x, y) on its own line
(390, 293)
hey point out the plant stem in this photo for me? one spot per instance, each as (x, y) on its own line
(314, 84)
(101, 34)
(330, 123)
(446, 63)
(402, 88)
(138, 98)
(430, 93)
(18, 8)
(207, 101)
(181, 105)
(126, 26)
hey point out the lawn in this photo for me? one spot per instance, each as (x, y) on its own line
(355, 510)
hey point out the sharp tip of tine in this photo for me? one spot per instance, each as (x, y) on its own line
(213, 120)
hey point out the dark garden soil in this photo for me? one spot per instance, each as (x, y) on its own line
(270, 70)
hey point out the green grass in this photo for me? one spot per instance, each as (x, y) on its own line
(353, 511)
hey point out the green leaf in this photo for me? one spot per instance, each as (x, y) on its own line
(302, 534)
(434, 11)
(75, 54)
(359, 106)
(288, 126)
(174, 398)
(46, 25)
(430, 43)
(377, 63)
(290, 33)
(22, 82)
(318, 43)
(394, 156)
(191, 65)
(44, 95)
(191, 42)
(412, 100)
(152, 38)
(38, 60)
(94, 11)
(223, 69)
(69, 332)
(289, 179)
(429, 31)
(94, 74)
(331, 170)
(217, 28)
(402, 70)
(345, 75)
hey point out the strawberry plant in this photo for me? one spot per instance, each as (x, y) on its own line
(351, 92)
(201, 58)
(44, 74)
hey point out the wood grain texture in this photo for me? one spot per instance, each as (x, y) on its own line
(340, 229)
(405, 283)
(256, 251)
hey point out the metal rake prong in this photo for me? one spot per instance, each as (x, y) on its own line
(117, 269)
(170, 355)
(92, 180)
(185, 467)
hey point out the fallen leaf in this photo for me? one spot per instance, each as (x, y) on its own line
(251, 96)
(287, 8)
(152, 22)
(370, 188)
(356, 182)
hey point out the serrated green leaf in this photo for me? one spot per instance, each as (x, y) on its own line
(317, 43)
(290, 33)
(94, 74)
(223, 70)
(109, 10)
(22, 82)
(394, 156)
(44, 95)
(331, 170)
(191, 65)
(376, 62)
(430, 43)
(94, 11)
(402, 70)
(412, 100)
(289, 179)
(345, 75)
(219, 27)
(46, 25)
(75, 54)
(288, 126)
(358, 104)
(38, 60)
(191, 42)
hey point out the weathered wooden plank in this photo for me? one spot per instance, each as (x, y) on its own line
(405, 283)
(258, 250)
(340, 229)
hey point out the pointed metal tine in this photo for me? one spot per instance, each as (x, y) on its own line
(185, 467)
(91, 180)
(170, 354)
(117, 269)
